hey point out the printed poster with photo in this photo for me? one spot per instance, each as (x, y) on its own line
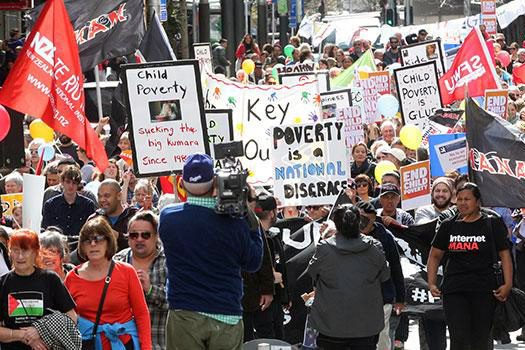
(167, 115)
(332, 101)
(423, 52)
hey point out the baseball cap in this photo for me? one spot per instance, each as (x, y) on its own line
(265, 202)
(396, 152)
(389, 188)
(198, 173)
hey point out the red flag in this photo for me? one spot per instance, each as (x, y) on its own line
(518, 74)
(472, 70)
(46, 81)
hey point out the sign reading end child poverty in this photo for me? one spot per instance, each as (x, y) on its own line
(167, 115)
(415, 185)
(418, 91)
(310, 163)
(496, 102)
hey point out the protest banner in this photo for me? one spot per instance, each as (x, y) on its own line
(167, 121)
(418, 92)
(219, 123)
(496, 102)
(447, 153)
(321, 77)
(488, 16)
(332, 101)
(353, 125)
(202, 52)
(426, 51)
(415, 185)
(297, 68)
(256, 110)
(310, 162)
(8, 201)
(373, 85)
(448, 117)
(34, 189)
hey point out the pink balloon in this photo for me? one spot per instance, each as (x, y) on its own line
(5, 123)
(504, 57)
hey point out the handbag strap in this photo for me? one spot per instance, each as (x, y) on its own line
(103, 297)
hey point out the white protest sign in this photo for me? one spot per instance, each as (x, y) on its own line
(167, 115)
(256, 110)
(353, 121)
(425, 51)
(203, 54)
(32, 207)
(322, 78)
(297, 68)
(219, 123)
(452, 154)
(415, 185)
(332, 101)
(373, 85)
(418, 92)
(358, 100)
(310, 162)
(496, 101)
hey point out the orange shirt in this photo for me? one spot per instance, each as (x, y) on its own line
(124, 300)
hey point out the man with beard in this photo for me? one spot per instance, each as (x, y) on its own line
(442, 194)
(68, 147)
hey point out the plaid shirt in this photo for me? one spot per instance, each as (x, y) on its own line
(156, 300)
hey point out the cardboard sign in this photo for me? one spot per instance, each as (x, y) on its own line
(496, 101)
(333, 101)
(297, 68)
(373, 85)
(8, 202)
(167, 115)
(219, 123)
(448, 153)
(415, 185)
(309, 162)
(32, 209)
(321, 77)
(257, 109)
(418, 92)
(203, 54)
(353, 121)
(423, 52)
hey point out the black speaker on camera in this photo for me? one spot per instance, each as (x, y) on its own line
(12, 154)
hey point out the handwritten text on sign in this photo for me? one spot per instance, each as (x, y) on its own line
(373, 86)
(353, 125)
(166, 107)
(310, 163)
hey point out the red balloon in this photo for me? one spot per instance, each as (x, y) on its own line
(504, 57)
(5, 123)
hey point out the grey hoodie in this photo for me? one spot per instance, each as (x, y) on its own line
(347, 274)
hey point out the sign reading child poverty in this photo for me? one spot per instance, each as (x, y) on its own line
(202, 52)
(322, 78)
(415, 185)
(332, 101)
(310, 163)
(426, 51)
(165, 105)
(219, 123)
(418, 92)
(496, 102)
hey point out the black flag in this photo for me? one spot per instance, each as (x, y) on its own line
(496, 158)
(155, 45)
(103, 29)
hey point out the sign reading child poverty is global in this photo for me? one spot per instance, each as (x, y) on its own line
(418, 92)
(167, 115)
(415, 185)
(426, 51)
(310, 163)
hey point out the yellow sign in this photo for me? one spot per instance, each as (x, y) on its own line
(9, 201)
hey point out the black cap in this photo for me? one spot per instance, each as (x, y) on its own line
(389, 188)
(265, 202)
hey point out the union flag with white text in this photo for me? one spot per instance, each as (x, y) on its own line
(46, 81)
(472, 71)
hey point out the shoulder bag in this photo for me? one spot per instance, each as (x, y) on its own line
(89, 344)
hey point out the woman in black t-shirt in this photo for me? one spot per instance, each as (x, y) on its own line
(470, 289)
(27, 293)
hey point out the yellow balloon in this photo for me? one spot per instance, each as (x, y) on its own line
(248, 66)
(39, 130)
(411, 136)
(383, 167)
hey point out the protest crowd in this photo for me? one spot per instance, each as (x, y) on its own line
(376, 187)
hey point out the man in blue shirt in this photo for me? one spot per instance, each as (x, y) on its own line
(205, 253)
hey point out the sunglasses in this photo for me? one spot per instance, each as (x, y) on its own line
(362, 184)
(96, 238)
(134, 235)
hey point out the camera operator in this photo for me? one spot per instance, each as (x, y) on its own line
(205, 253)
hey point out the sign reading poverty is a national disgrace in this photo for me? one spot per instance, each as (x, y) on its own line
(418, 92)
(167, 115)
(310, 162)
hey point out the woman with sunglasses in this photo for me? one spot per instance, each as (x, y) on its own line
(146, 254)
(28, 293)
(364, 187)
(124, 312)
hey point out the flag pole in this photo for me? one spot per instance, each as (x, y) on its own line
(99, 93)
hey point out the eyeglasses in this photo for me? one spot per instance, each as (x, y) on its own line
(145, 235)
(96, 238)
(362, 184)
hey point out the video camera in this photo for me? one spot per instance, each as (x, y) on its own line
(232, 189)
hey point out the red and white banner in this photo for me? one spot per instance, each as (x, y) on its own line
(472, 71)
(46, 81)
